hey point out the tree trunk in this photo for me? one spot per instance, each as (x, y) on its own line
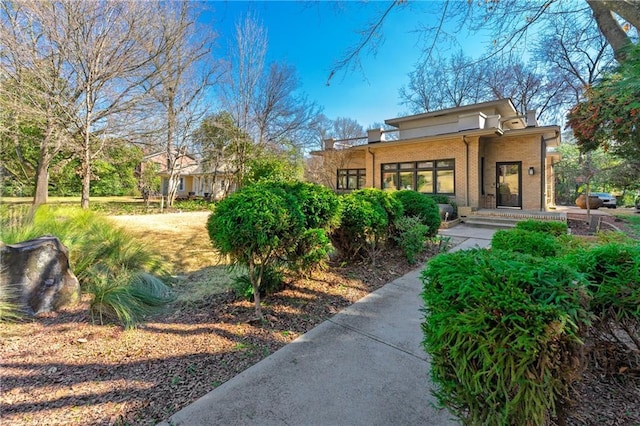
(86, 173)
(41, 194)
(255, 282)
(609, 27)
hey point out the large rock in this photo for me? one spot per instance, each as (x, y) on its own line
(37, 274)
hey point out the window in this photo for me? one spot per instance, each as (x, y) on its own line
(351, 178)
(431, 177)
(181, 184)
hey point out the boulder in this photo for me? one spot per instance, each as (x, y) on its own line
(38, 276)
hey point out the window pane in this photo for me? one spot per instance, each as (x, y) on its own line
(361, 180)
(425, 182)
(352, 182)
(407, 166)
(444, 180)
(406, 180)
(390, 166)
(389, 181)
(342, 182)
(425, 165)
(444, 163)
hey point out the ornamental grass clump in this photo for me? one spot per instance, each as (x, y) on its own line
(502, 331)
(124, 276)
(526, 242)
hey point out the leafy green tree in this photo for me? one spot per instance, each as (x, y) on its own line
(277, 164)
(609, 115)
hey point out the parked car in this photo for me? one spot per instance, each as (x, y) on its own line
(608, 200)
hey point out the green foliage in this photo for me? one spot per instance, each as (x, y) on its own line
(319, 205)
(127, 298)
(411, 235)
(9, 300)
(364, 227)
(272, 281)
(527, 242)
(255, 227)
(421, 206)
(554, 228)
(274, 166)
(105, 259)
(193, 205)
(613, 272)
(609, 115)
(392, 207)
(502, 332)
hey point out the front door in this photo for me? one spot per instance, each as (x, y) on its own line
(508, 184)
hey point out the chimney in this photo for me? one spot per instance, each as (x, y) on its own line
(531, 118)
(375, 135)
(328, 143)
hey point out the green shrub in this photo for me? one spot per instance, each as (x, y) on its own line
(193, 205)
(320, 206)
(411, 235)
(421, 206)
(363, 229)
(255, 227)
(392, 207)
(271, 282)
(527, 242)
(613, 274)
(554, 228)
(502, 332)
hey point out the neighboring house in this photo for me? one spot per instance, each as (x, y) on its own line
(481, 156)
(195, 178)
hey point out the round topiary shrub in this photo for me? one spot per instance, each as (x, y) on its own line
(421, 206)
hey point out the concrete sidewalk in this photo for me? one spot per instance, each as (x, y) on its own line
(364, 366)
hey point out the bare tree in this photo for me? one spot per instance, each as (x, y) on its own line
(511, 23)
(34, 91)
(263, 99)
(443, 83)
(180, 80)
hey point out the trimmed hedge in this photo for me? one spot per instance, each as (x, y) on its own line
(502, 331)
(368, 218)
(554, 228)
(526, 242)
(421, 206)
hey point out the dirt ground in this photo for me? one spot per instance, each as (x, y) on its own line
(61, 369)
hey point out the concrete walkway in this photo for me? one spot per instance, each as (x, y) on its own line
(364, 366)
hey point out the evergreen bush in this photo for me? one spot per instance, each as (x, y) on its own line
(365, 226)
(411, 236)
(421, 206)
(502, 332)
(550, 227)
(256, 226)
(526, 242)
(613, 274)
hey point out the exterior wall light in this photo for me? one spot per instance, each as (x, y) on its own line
(532, 171)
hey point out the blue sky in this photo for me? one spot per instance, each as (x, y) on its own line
(313, 36)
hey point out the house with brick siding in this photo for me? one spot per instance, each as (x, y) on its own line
(195, 178)
(482, 156)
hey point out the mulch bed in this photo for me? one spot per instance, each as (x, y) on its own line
(61, 369)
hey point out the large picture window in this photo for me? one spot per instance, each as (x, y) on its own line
(351, 178)
(431, 177)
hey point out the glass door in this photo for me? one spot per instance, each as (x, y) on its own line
(508, 184)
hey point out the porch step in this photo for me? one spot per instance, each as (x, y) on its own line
(490, 222)
(508, 218)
